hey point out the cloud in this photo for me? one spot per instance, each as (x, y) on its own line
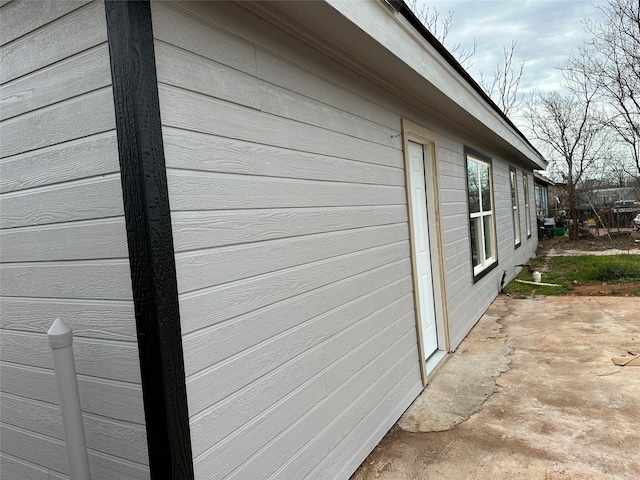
(546, 31)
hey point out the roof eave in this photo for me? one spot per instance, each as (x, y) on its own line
(390, 47)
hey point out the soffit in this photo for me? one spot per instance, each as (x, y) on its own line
(380, 44)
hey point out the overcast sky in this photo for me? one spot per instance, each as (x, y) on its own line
(546, 30)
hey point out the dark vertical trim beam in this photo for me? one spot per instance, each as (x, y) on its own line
(150, 238)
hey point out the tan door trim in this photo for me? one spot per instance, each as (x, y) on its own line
(418, 134)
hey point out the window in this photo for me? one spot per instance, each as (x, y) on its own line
(514, 206)
(481, 217)
(542, 194)
(527, 209)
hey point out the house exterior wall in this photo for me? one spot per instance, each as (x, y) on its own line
(64, 247)
(286, 182)
(287, 190)
(292, 253)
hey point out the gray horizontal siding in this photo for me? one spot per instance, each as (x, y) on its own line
(288, 66)
(85, 199)
(71, 77)
(313, 462)
(196, 151)
(210, 191)
(18, 469)
(72, 160)
(52, 452)
(300, 380)
(291, 236)
(201, 230)
(45, 40)
(89, 279)
(204, 114)
(98, 396)
(64, 250)
(371, 428)
(64, 241)
(233, 261)
(96, 358)
(222, 340)
(121, 439)
(329, 91)
(83, 116)
(21, 18)
(210, 306)
(213, 383)
(109, 320)
(342, 409)
(455, 211)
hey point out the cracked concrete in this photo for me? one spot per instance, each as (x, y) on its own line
(557, 406)
(452, 398)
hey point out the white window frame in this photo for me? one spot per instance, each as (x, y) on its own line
(485, 262)
(527, 207)
(515, 206)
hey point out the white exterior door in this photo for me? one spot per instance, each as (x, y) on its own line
(418, 155)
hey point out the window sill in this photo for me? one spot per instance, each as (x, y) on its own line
(482, 273)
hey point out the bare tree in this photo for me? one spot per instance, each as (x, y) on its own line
(569, 127)
(439, 26)
(611, 62)
(614, 170)
(503, 88)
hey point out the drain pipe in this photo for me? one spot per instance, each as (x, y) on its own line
(61, 343)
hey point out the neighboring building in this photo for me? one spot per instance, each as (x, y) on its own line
(608, 196)
(542, 184)
(601, 197)
(263, 250)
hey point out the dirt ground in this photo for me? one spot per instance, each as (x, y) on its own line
(552, 404)
(623, 290)
(624, 242)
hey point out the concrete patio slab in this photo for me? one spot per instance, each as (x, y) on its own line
(531, 393)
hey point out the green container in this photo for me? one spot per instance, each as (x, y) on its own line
(559, 231)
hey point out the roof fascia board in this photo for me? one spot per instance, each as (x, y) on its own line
(542, 179)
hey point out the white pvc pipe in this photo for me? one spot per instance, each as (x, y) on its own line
(61, 343)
